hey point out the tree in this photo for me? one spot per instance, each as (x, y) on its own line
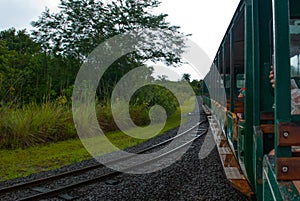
(17, 49)
(81, 25)
(186, 77)
(19, 41)
(27, 73)
(197, 86)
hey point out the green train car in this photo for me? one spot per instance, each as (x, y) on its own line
(262, 126)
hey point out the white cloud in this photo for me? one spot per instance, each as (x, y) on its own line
(207, 21)
(20, 13)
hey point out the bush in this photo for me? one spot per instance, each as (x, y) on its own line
(139, 114)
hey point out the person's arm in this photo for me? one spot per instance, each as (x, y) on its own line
(271, 76)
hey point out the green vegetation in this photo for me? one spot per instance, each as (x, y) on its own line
(38, 70)
(42, 66)
(34, 124)
(22, 162)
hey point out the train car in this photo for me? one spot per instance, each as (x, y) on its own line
(261, 127)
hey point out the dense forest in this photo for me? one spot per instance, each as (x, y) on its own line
(38, 68)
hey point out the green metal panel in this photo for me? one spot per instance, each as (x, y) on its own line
(219, 73)
(241, 144)
(265, 22)
(224, 66)
(230, 126)
(232, 74)
(258, 161)
(262, 97)
(270, 185)
(257, 148)
(282, 69)
(255, 63)
(275, 190)
(256, 98)
(288, 191)
(249, 92)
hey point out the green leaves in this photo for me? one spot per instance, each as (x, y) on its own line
(80, 26)
(27, 74)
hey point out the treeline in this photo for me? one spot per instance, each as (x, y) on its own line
(28, 74)
(42, 65)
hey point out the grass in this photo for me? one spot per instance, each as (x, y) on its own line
(188, 106)
(22, 162)
(122, 141)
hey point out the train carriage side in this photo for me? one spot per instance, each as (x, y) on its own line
(262, 121)
(281, 172)
(222, 97)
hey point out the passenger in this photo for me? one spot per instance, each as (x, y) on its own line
(271, 76)
(295, 93)
(242, 94)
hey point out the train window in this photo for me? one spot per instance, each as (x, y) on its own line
(240, 80)
(221, 83)
(227, 81)
(295, 65)
(295, 47)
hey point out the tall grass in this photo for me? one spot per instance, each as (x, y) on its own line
(35, 124)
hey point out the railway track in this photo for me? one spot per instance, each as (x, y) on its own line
(36, 192)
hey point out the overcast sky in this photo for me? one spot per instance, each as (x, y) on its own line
(206, 20)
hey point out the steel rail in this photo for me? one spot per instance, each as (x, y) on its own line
(85, 169)
(58, 191)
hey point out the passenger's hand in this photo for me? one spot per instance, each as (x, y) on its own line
(271, 76)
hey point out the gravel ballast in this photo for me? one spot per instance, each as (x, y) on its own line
(188, 179)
